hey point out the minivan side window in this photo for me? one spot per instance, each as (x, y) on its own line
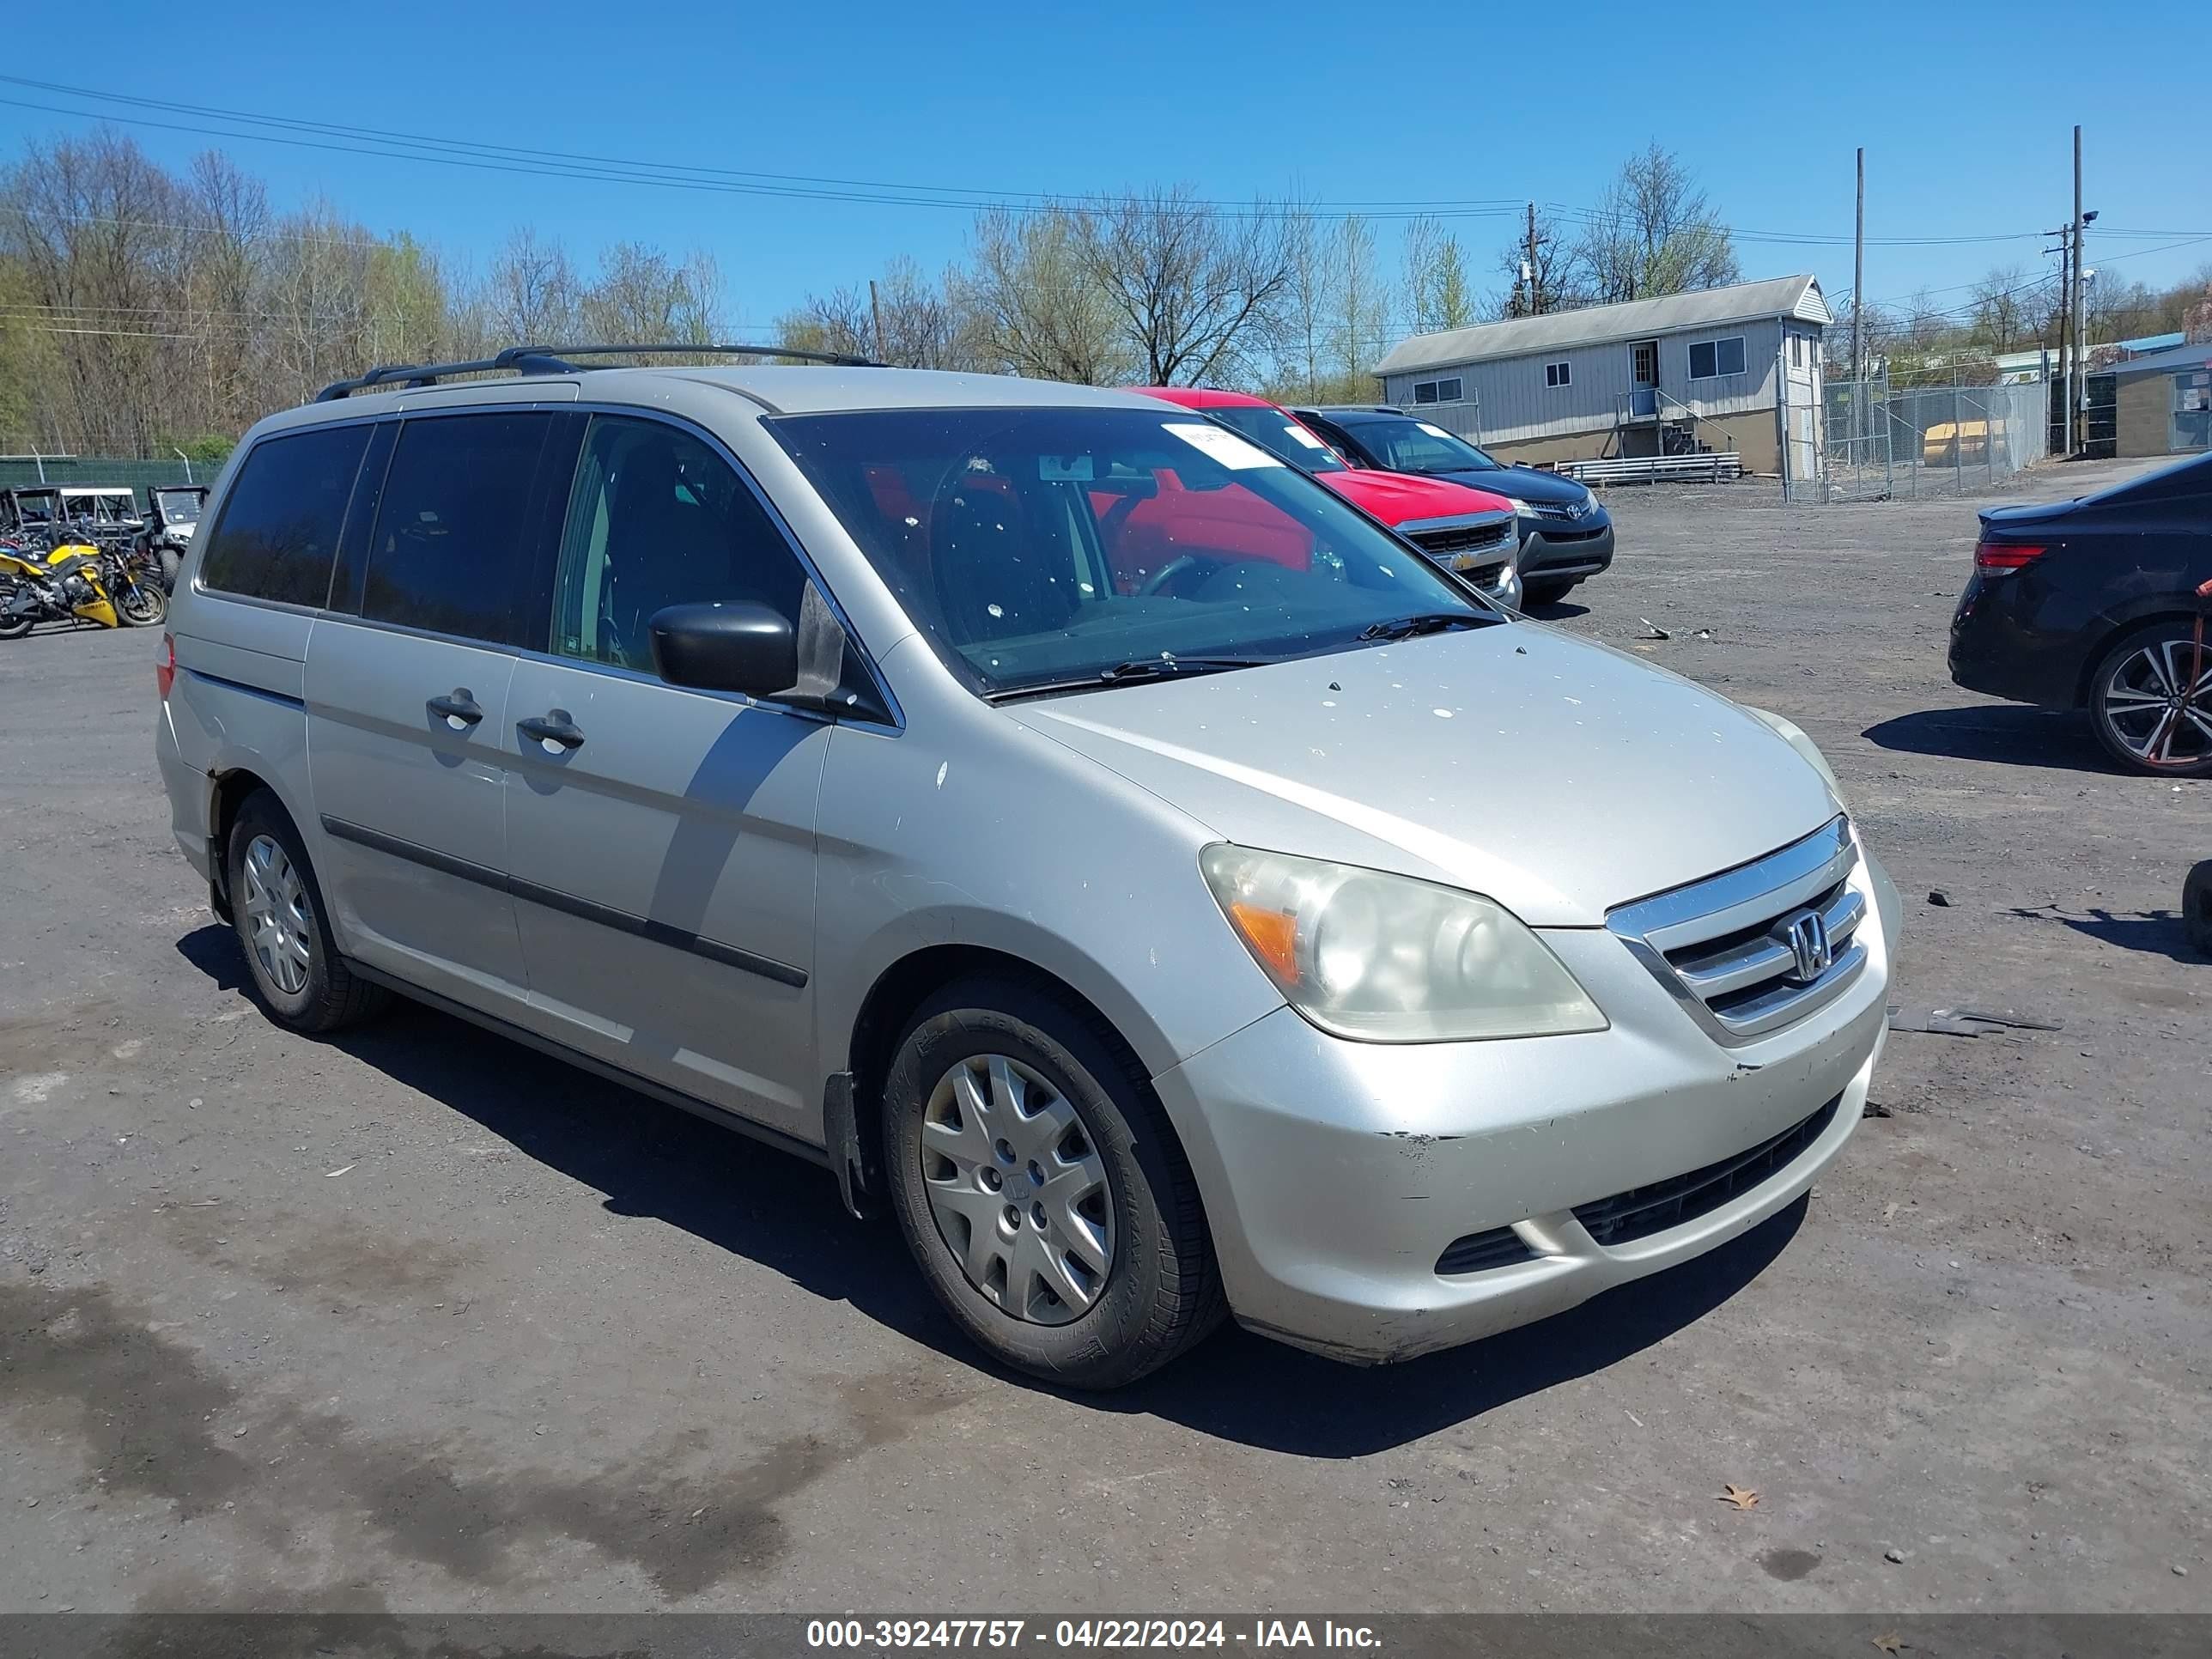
(452, 529)
(659, 518)
(278, 533)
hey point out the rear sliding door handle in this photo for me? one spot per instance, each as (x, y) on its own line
(552, 726)
(458, 706)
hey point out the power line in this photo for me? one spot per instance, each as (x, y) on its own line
(530, 161)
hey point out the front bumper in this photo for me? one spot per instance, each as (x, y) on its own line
(1556, 547)
(1337, 1174)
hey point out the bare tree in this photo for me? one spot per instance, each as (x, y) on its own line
(2009, 307)
(1653, 232)
(1036, 310)
(841, 320)
(1192, 289)
(641, 294)
(1361, 309)
(533, 294)
(1437, 296)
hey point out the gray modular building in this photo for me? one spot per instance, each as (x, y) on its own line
(1723, 368)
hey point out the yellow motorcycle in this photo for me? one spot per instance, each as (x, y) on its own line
(73, 582)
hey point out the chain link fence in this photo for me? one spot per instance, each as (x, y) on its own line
(1881, 442)
(21, 471)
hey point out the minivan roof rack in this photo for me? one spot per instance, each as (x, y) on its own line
(555, 359)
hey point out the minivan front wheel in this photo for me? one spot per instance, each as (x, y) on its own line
(276, 909)
(1037, 1186)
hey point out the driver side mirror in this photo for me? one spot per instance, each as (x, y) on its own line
(726, 646)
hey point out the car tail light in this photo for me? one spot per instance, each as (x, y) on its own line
(165, 668)
(1998, 557)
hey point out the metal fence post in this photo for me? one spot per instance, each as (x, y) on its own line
(1957, 449)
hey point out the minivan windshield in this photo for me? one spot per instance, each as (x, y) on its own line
(1423, 446)
(1062, 547)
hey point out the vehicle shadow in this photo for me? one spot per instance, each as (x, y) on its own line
(1258, 1393)
(2155, 933)
(2009, 734)
(214, 951)
(1558, 610)
(652, 1160)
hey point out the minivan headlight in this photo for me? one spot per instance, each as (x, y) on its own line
(1383, 958)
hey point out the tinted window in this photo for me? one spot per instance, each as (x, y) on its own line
(1280, 435)
(658, 519)
(453, 527)
(279, 528)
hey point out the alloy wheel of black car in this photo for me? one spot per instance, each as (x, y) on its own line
(2151, 701)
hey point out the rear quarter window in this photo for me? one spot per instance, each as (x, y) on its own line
(278, 533)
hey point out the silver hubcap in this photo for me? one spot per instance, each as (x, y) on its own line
(2159, 714)
(277, 919)
(1018, 1190)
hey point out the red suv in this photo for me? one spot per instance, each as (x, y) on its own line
(1469, 532)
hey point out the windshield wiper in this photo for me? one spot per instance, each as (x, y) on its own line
(1134, 673)
(1425, 621)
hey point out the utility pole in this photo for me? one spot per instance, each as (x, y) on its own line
(1535, 286)
(1858, 280)
(2061, 321)
(876, 307)
(2077, 387)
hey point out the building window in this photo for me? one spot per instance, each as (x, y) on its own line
(1710, 359)
(1437, 391)
(1559, 375)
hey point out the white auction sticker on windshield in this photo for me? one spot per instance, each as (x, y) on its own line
(1220, 444)
(1300, 434)
(1433, 431)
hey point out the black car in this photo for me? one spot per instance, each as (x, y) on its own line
(2093, 604)
(1567, 536)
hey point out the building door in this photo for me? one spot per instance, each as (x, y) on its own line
(2192, 411)
(1644, 378)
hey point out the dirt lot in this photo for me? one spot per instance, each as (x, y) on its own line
(419, 1319)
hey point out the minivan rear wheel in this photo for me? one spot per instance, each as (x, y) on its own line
(276, 909)
(1038, 1186)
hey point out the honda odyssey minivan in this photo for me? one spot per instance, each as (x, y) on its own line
(1210, 909)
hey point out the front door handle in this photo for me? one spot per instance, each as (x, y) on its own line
(459, 705)
(552, 726)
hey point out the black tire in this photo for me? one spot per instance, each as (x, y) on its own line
(1547, 590)
(332, 997)
(171, 562)
(140, 604)
(2119, 670)
(13, 628)
(1161, 1292)
(2196, 908)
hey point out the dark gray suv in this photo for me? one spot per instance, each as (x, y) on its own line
(1566, 534)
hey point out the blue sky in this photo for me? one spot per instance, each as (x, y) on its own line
(1467, 104)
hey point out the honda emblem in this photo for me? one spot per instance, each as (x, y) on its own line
(1805, 933)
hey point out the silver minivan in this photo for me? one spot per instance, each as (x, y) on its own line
(1091, 839)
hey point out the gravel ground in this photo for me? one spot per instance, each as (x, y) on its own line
(418, 1320)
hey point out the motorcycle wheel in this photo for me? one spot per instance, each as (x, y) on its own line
(140, 604)
(13, 628)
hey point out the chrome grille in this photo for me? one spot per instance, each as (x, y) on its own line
(1753, 949)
